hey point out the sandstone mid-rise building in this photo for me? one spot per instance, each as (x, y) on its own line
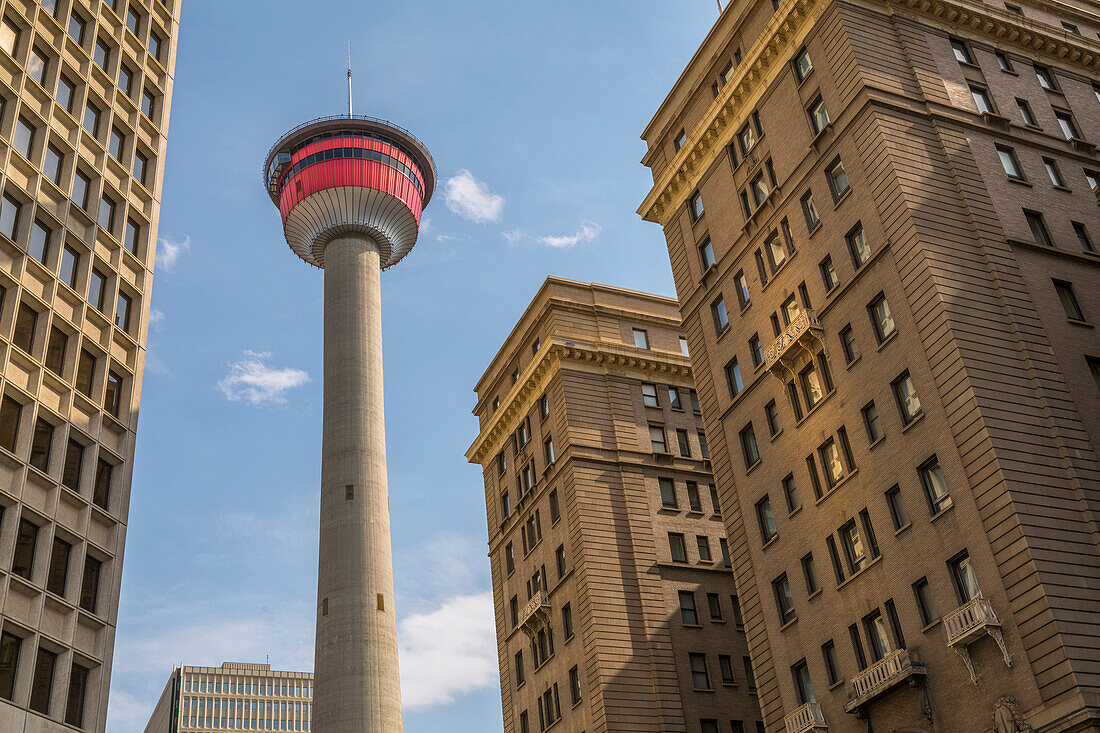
(234, 696)
(615, 604)
(882, 222)
(84, 104)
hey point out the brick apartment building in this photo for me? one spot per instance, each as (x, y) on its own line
(883, 223)
(615, 605)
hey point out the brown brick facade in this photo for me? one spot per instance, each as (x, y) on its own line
(631, 643)
(1008, 423)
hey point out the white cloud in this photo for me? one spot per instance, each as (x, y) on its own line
(586, 233)
(170, 249)
(127, 712)
(156, 318)
(448, 652)
(515, 235)
(471, 199)
(211, 641)
(251, 380)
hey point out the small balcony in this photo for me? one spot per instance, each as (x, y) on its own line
(535, 613)
(806, 719)
(799, 337)
(893, 669)
(968, 623)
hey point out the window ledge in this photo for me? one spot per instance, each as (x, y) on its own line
(1081, 146)
(1077, 322)
(752, 468)
(820, 134)
(898, 532)
(692, 626)
(838, 200)
(811, 232)
(695, 513)
(836, 487)
(814, 595)
(935, 517)
(916, 420)
(930, 626)
(1063, 188)
(772, 439)
(1019, 181)
(893, 335)
(724, 331)
(860, 572)
(853, 362)
(709, 690)
(789, 624)
(815, 408)
(795, 511)
(878, 442)
(770, 542)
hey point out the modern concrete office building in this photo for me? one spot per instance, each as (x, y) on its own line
(85, 90)
(234, 696)
(615, 610)
(882, 221)
(351, 191)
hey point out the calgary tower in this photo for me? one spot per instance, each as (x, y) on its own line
(351, 190)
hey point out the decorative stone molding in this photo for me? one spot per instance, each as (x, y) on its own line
(538, 373)
(1007, 717)
(786, 31)
(967, 624)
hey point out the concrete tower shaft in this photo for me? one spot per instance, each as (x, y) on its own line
(351, 191)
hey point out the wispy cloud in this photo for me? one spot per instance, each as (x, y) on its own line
(211, 641)
(156, 318)
(448, 652)
(127, 712)
(252, 380)
(471, 199)
(192, 634)
(170, 249)
(586, 233)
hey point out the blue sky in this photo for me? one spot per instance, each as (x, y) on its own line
(532, 111)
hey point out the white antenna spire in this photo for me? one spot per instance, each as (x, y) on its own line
(349, 79)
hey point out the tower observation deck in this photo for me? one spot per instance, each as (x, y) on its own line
(351, 191)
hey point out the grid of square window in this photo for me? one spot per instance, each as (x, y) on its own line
(82, 111)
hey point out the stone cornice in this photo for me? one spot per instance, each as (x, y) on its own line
(533, 380)
(787, 28)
